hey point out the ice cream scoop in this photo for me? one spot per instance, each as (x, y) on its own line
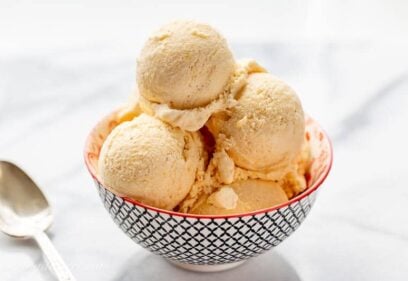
(186, 72)
(240, 197)
(185, 64)
(149, 161)
(264, 131)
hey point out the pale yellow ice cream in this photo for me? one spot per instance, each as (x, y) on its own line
(195, 118)
(241, 197)
(294, 182)
(185, 64)
(291, 179)
(261, 136)
(186, 72)
(248, 156)
(149, 161)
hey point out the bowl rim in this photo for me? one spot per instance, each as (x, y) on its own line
(297, 198)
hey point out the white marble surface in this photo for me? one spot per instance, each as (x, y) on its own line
(357, 230)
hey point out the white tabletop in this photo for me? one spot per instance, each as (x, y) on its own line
(356, 231)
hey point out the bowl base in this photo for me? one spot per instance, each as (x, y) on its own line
(206, 268)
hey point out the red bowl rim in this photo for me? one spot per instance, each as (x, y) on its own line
(302, 195)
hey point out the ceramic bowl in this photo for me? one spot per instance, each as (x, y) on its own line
(210, 243)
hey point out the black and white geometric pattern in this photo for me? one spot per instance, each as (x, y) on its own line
(205, 241)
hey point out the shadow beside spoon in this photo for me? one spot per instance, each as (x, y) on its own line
(270, 266)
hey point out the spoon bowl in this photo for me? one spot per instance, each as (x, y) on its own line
(24, 210)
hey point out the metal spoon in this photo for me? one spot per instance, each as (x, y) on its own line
(26, 213)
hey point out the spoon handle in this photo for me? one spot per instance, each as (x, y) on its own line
(57, 264)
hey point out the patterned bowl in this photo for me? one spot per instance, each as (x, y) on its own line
(210, 243)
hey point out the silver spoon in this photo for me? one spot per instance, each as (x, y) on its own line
(26, 213)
